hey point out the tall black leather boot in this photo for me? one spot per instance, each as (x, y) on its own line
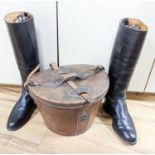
(22, 33)
(126, 50)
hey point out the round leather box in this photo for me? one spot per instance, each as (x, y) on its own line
(69, 97)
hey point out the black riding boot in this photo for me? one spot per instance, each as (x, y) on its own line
(22, 33)
(126, 50)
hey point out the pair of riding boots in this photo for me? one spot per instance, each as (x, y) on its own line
(126, 50)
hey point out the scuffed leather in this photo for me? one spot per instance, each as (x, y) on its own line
(126, 50)
(23, 38)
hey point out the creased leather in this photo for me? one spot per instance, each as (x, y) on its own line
(126, 51)
(23, 38)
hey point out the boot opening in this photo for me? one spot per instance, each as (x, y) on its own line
(18, 17)
(134, 24)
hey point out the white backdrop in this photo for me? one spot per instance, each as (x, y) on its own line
(45, 22)
(86, 35)
(87, 31)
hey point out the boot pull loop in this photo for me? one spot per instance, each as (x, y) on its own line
(30, 75)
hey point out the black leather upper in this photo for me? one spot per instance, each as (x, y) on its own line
(24, 42)
(126, 51)
(23, 38)
(21, 112)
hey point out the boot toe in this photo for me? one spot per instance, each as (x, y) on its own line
(21, 112)
(127, 135)
(13, 124)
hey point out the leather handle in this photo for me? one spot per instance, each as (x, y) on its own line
(66, 77)
(67, 74)
(85, 96)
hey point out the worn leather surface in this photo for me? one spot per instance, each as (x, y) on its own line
(24, 42)
(126, 51)
(64, 95)
(64, 108)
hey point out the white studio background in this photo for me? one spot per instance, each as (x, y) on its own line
(87, 31)
(45, 22)
(86, 35)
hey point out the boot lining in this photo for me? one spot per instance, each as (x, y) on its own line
(132, 22)
(14, 17)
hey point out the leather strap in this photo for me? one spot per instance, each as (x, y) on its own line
(31, 74)
(74, 86)
(68, 79)
(67, 75)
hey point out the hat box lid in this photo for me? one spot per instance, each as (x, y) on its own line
(49, 88)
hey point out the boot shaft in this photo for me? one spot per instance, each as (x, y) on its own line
(126, 51)
(23, 38)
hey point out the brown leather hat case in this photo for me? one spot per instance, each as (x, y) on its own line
(68, 97)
